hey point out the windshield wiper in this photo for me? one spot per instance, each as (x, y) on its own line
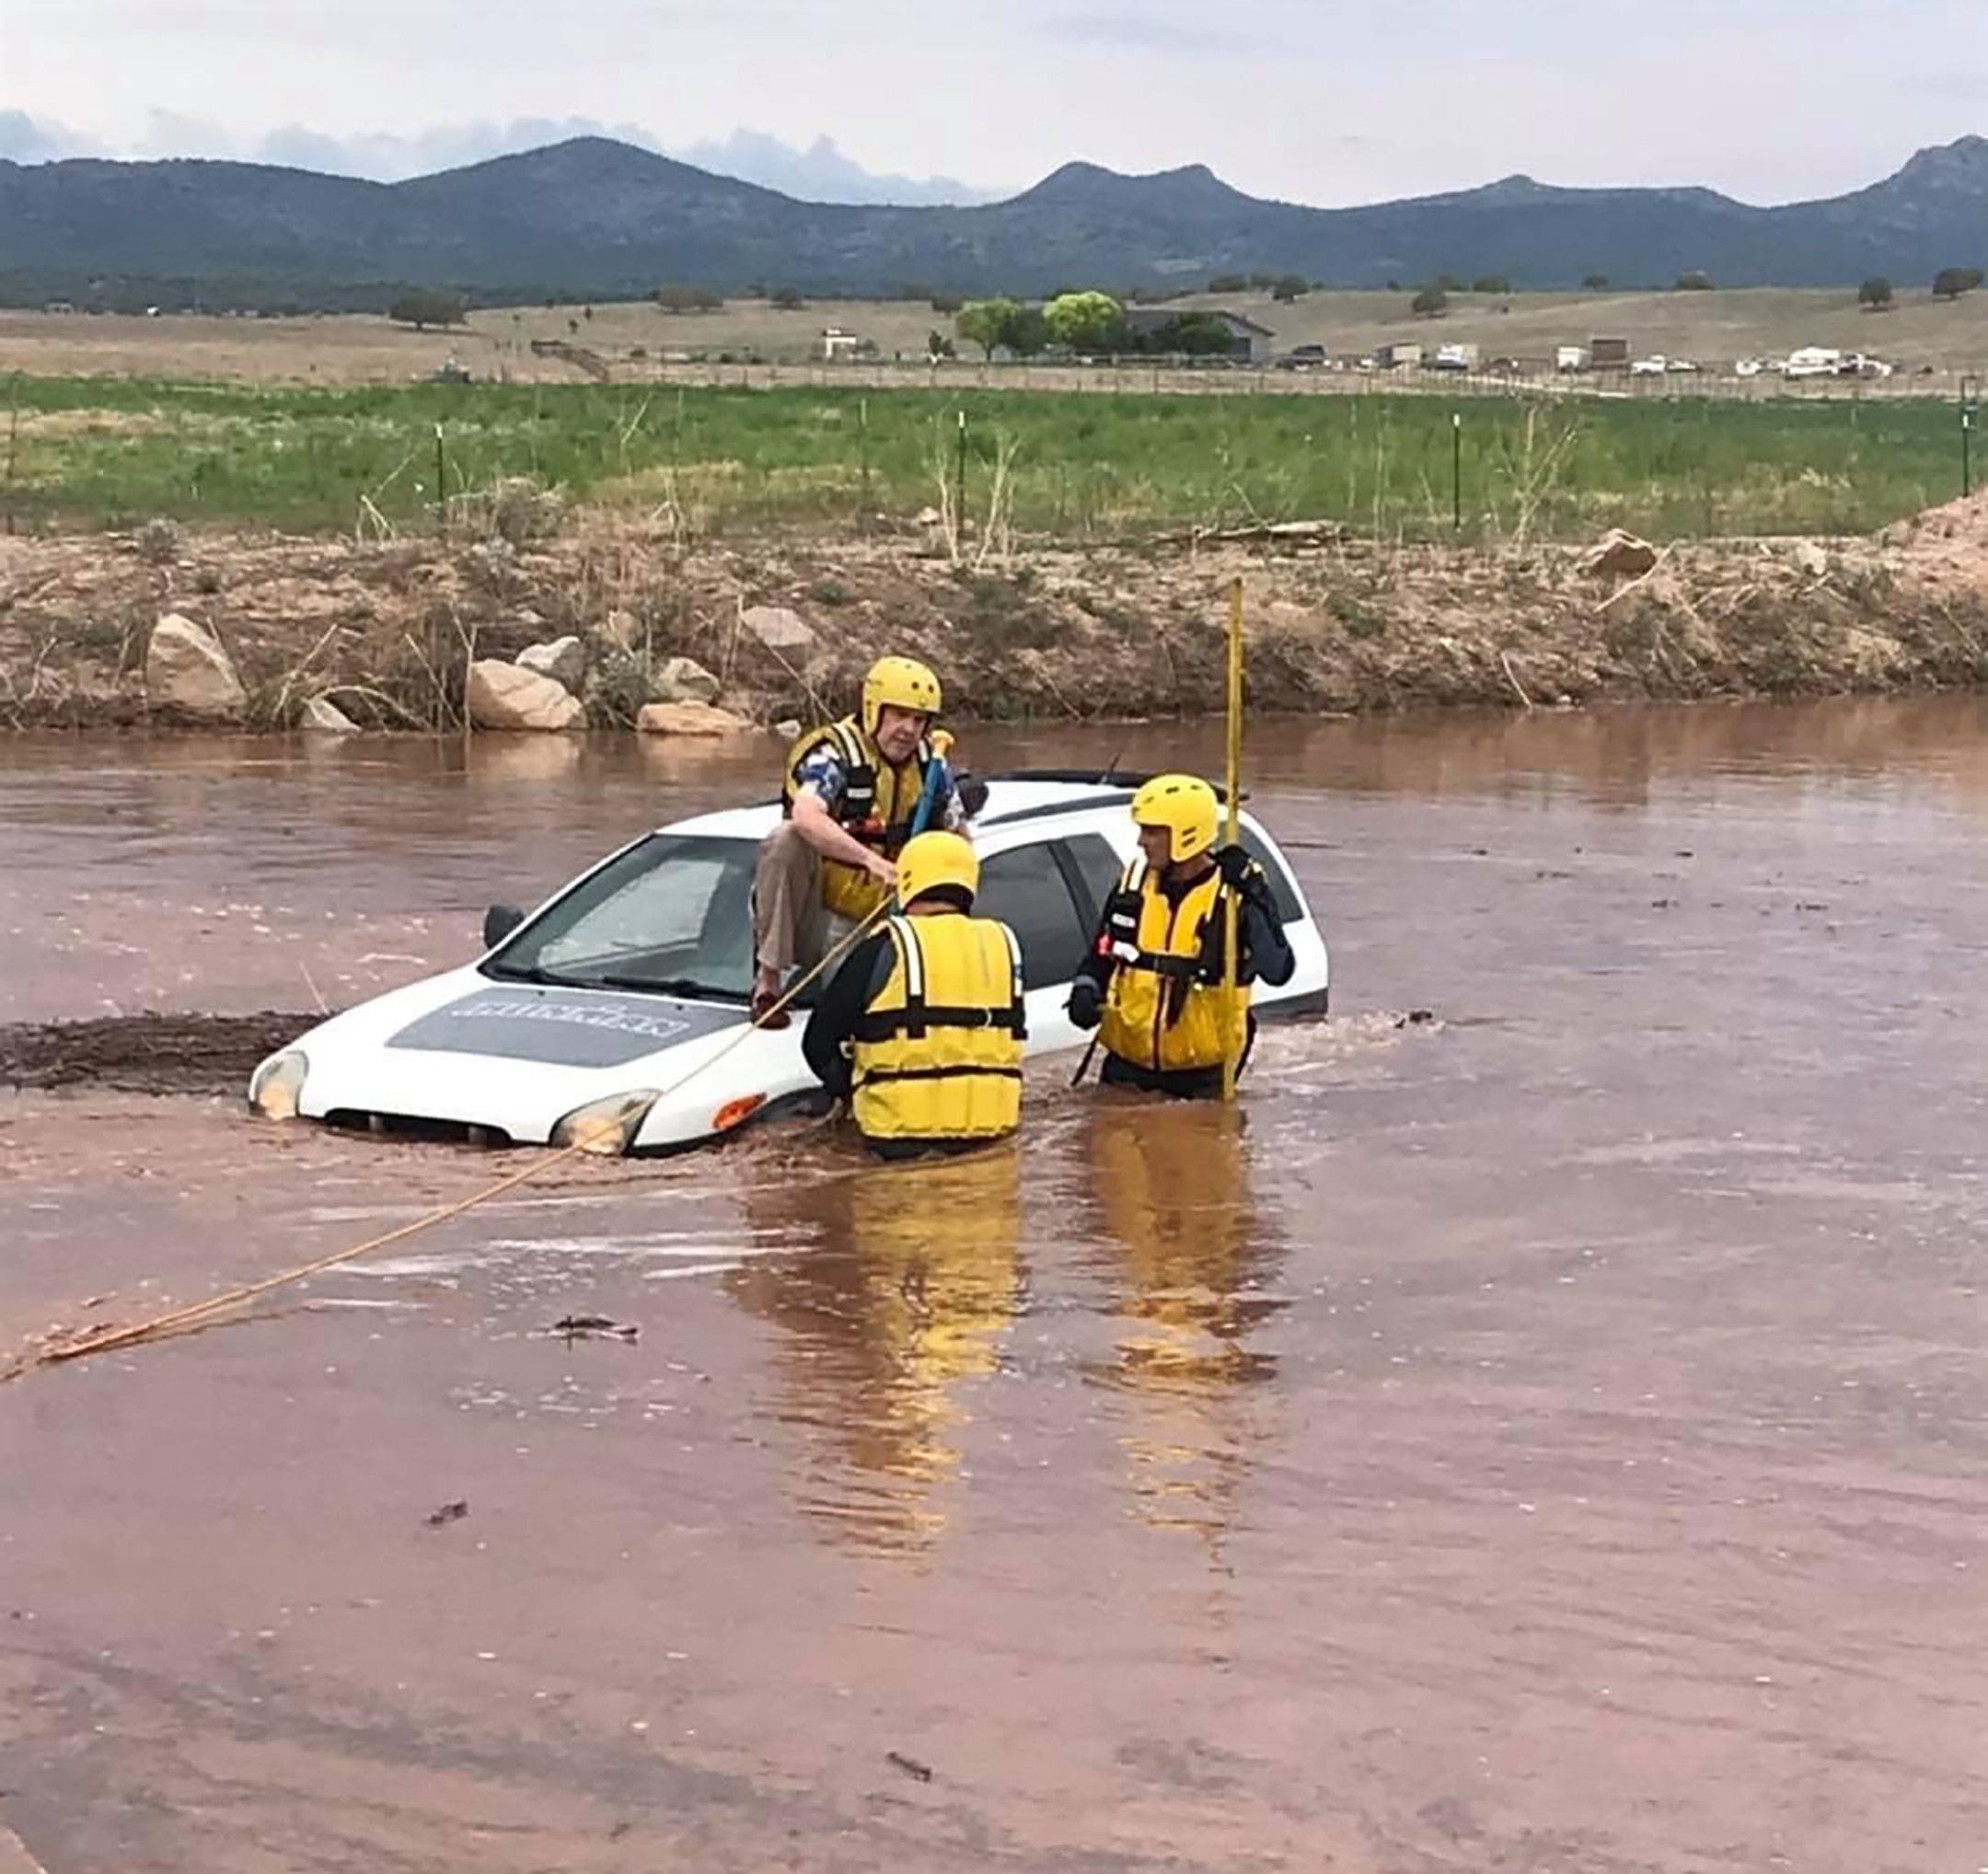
(532, 973)
(671, 986)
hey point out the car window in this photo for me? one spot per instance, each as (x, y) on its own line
(1098, 870)
(670, 907)
(1026, 890)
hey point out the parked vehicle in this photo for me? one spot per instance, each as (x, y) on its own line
(1303, 358)
(1653, 366)
(593, 1013)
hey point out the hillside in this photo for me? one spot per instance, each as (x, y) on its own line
(597, 217)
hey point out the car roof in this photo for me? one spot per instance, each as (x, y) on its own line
(1011, 798)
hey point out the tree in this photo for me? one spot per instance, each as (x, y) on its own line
(1086, 321)
(1291, 286)
(1491, 284)
(1028, 332)
(1192, 334)
(1262, 282)
(1229, 282)
(1432, 302)
(1952, 281)
(680, 299)
(1596, 283)
(1875, 293)
(1694, 281)
(937, 346)
(786, 299)
(947, 303)
(986, 323)
(421, 307)
(1447, 282)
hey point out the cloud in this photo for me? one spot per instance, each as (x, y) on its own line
(820, 172)
(25, 139)
(1133, 32)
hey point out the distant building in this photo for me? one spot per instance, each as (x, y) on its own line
(1608, 355)
(838, 344)
(1405, 352)
(58, 305)
(1571, 358)
(1248, 341)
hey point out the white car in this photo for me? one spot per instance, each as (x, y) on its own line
(1650, 368)
(616, 1012)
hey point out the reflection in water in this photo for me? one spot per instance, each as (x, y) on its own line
(1171, 1186)
(913, 1274)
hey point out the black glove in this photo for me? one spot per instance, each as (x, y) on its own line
(1243, 874)
(1083, 1005)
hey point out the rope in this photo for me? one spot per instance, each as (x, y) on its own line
(183, 1320)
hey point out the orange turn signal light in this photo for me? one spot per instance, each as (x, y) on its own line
(736, 1112)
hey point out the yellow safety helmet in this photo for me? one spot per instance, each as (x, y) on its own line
(898, 683)
(1185, 807)
(933, 860)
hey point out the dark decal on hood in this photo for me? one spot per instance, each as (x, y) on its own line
(563, 1028)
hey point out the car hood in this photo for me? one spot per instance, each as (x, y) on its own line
(560, 1027)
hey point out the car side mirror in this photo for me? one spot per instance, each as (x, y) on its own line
(972, 793)
(499, 922)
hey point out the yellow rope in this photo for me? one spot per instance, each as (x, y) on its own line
(183, 1320)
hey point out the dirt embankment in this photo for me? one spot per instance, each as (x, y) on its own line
(145, 1054)
(387, 631)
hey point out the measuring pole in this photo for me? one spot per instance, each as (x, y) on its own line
(959, 484)
(441, 490)
(1233, 1037)
(1969, 404)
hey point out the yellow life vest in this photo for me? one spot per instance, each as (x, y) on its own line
(938, 1053)
(876, 808)
(1161, 1010)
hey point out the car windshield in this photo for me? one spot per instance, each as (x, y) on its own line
(673, 913)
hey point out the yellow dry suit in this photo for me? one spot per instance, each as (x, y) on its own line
(1164, 1005)
(876, 808)
(938, 1053)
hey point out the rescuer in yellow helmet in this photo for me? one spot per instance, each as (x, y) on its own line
(853, 793)
(921, 1028)
(1153, 984)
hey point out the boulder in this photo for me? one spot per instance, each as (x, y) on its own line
(508, 696)
(684, 680)
(1617, 555)
(327, 719)
(779, 629)
(186, 669)
(689, 719)
(564, 660)
(1809, 559)
(788, 728)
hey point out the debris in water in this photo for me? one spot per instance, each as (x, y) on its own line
(1416, 1018)
(592, 1327)
(909, 1765)
(448, 1513)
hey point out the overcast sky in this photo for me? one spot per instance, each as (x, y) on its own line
(1309, 100)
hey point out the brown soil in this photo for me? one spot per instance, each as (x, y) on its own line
(145, 1054)
(387, 630)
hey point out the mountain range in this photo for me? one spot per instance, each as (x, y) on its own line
(594, 217)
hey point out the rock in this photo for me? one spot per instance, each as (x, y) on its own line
(689, 719)
(186, 669)
(684, 680)
(927, 517)
(508, 696)
(1617, 555)
(779, 629)
(788, 728)
(564, 660)
(327, 718)
(1809, 559)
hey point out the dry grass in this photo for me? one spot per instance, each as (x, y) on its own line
(1711, 327)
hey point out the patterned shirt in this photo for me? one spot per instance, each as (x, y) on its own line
(823, 769)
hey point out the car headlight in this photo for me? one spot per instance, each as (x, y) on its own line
(278, 1085)
(605, 1127)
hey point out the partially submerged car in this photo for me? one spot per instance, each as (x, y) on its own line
(616, 1014)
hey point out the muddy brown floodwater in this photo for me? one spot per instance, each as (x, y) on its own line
(1553, 1436)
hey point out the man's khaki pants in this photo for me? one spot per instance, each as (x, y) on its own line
(789, 921)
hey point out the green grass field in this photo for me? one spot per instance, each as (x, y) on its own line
(103, 453)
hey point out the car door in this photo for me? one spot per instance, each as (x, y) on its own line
(1041, 892)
